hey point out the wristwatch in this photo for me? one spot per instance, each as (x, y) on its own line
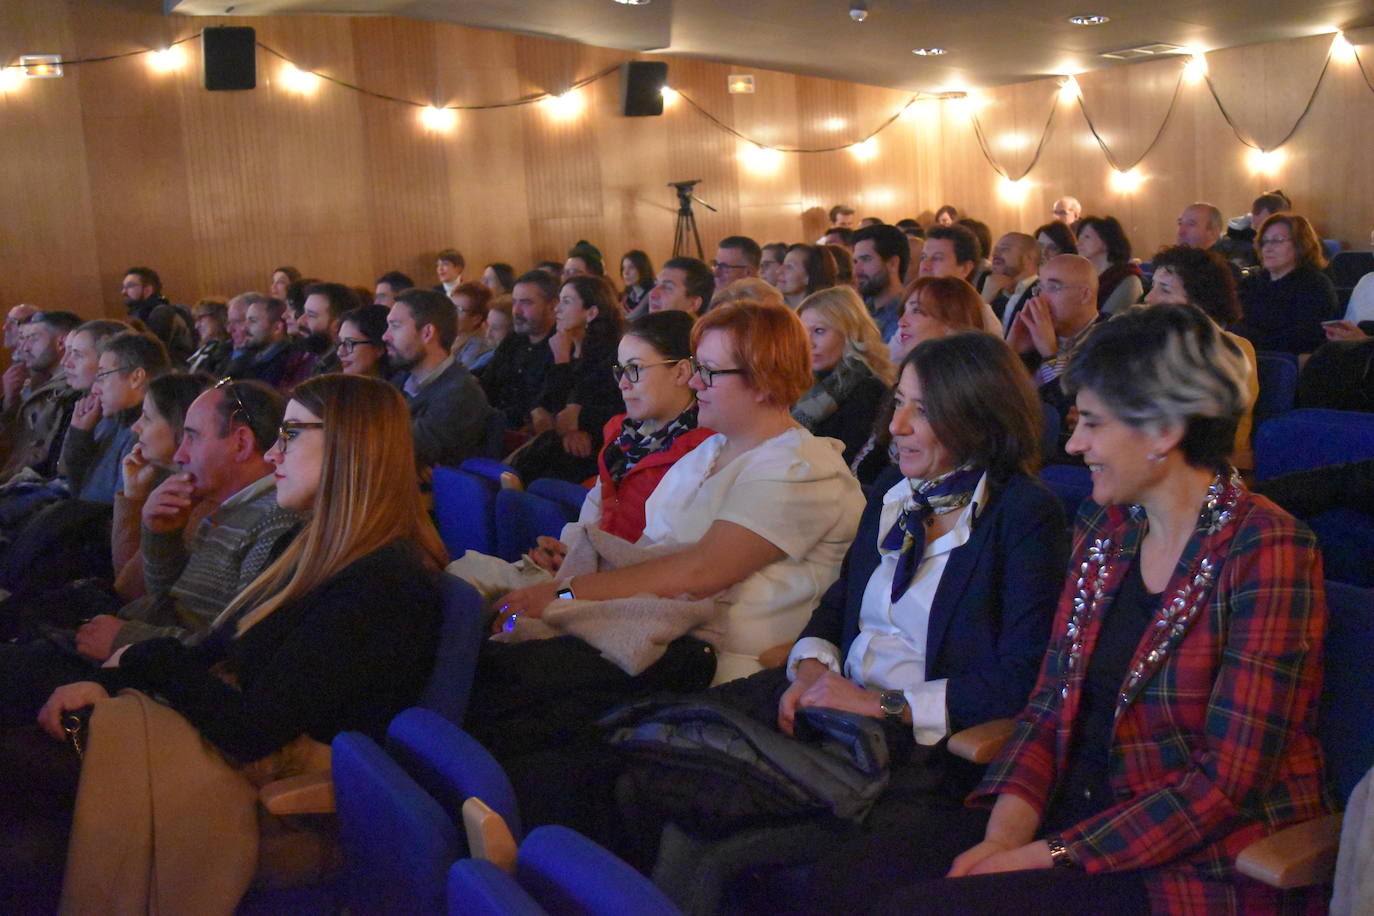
(565, 592)
(1059, 853)
(892, 702)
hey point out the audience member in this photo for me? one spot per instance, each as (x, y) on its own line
(448, 411)
(389, 286)
(13, 319)
(841, 215)
(983, 234)
(1052, 326)
(684, 285)
(752, 289)
(1358, 322)
(325, 303)
(269, 355)
(552, 268)
(212, 357)
(337, 634)
(236, 323)
(499, 277)
(579, 394)
(737, 257)
(295, 304)
(361, 347)
(941, 614)
(1200, 225)
(499, 322)
(850, 366)
(470, 346)
(514, 376)
(43, 399)
(844, 265)
(1067, 211)
(142, 292)
(1193, 275)
(1339, 376)
(946, 216)
(881, 256)
(1090, 801)
(1055, 238)
(870, 221)
(841, 237)
(1285, 303)
(448, 267)
(637, 273)
(952, 251)
(806, 269)
(1103, 242)
(1240, 242)
(584, 259)
(915, 243)
(770, 261)
(1009, 285)
(282, 278)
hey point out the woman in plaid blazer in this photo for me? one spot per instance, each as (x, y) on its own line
(1173, 720)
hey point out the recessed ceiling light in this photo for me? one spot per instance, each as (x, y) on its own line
(928, 52)
(1090, 20)
(633, 2)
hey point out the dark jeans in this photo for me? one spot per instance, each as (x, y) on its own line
(29, 673)
(38, 779)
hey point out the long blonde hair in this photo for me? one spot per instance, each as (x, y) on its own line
(368, 494)
(842, 309)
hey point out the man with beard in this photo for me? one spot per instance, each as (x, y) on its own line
(448, 411)
(269, 355)
(324, 303)
(515, 375)
(1015, 259)
(142, 292)
(881, 256)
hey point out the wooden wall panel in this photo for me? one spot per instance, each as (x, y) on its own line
(115, 164)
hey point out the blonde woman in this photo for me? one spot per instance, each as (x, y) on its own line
(850, 365)
(338, 634)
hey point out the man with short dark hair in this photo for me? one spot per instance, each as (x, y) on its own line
(842, 216)
(770, 263)
(390, 285)
(448, 410)
(838, 235)
(142, 292)
(449, 267)
(953, 251)
(43, 403)
(515, 374)
(1015, 259)
(683, 285)
(269, 354)
(880, 262)
(324, 303)
(737, 257)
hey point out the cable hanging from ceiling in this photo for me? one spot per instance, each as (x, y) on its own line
(1311, 99)
(987, 151)
(918, 97)
(1102, 144)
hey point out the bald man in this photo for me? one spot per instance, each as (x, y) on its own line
(1068, 210)
(1015, 259)
(1051, 327)
(17, 316)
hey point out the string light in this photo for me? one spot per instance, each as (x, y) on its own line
(1265, 162)
(1069, 89)
(1342, 50)
(1126, 182)
(761, 158)
(167, 60)
(299, 81)
(865, 150)
(439, 120)
(1196, 68)
(1013, 192)
(834, 124)
(11, 78)
(563, 107)
(670, 95)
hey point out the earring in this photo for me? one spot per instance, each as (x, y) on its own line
(1155, 458)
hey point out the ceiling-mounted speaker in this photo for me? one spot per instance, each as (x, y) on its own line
(231, 57)
(641, 88)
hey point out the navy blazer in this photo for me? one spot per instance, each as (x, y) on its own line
(990, 620)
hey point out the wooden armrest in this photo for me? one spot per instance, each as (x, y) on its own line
(309, 793)
(981, 742)
(775, 657)
(511, 481)
(488, 836)
(1296, 856)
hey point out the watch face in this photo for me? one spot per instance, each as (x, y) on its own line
(892, 702)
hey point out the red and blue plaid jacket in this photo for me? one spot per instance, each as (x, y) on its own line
(1214, 745)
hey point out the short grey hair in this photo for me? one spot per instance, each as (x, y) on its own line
(1157, 366)
(1215, 220)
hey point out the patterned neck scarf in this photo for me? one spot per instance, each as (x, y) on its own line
(633, 445)
(937, 496)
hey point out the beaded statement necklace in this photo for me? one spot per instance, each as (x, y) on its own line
(1175, 616)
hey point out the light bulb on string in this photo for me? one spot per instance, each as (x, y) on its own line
(1126, 181)
(1196, 68)
(1265, 162)
(1342, 51)
(1069, 90)
(439, 120)
(1013, 192)
(11, 78)
(166, 60)
(865, 149)
(563, 107)
(299, 81)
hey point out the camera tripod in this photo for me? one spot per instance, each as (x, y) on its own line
(686, 219)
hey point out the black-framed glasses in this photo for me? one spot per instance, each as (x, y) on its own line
(347, 345)
(289, 430)
(634, 369)
(709, 375)
(230, 388)
(101, 375)
(719, 266)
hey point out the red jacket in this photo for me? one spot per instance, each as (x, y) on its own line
(1214, 744)
(622, 507)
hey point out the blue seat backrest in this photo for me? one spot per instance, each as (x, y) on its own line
(455, 662)
(1347, 267)
(478, 888)
(521, 518)
(1072, 483)
(569, 874)
(463, 511)
(1345, 725)
(397, 842)
(570, 496)
(1278, 385)
(451, 765)
(1331, 247)
(1312, 438)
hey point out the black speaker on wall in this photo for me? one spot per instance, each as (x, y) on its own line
(231, 57)
(641, 87)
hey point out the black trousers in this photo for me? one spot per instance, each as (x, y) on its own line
(29, 673)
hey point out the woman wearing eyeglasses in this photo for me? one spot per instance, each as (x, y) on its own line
(359, 345)
(1285, 303)
(337, 634)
